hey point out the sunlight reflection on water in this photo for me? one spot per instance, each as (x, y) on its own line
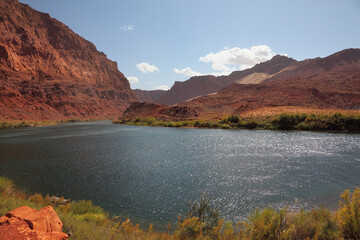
(150, 173)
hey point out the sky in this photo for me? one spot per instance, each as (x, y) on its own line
(158, 42)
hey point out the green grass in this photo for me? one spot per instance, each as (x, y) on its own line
(337, 122)
(24, 124)
(83, 220)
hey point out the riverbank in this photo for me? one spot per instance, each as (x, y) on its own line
(83, 220)
(25, 124)
(337, 122)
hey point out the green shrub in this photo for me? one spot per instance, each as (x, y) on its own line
(251, 124)
(97, 218)
(290, 121)
(5, 183)
(234, 119)
(83, 206)
(225, 126)
(348, 215)
(207, 214)
(190, 228)
(231, 119)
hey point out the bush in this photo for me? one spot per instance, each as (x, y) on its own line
(83, 206)
(349, 214)
(251, 125)
(234, 119)
(36, 198)
(190, 228)
(5, 183)
(97, 218)
(290, 121)
(207, 214)
(231, 119)
(225, 126)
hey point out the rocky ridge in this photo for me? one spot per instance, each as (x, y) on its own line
(332, 82)
(203, 85)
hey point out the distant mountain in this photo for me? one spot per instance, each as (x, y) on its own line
(203, 85)
(332, 82)
(149, 95)
(50, 72)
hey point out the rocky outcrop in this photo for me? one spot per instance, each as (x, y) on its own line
(149, 95)
(143, 109)
(195, 86)
(49, 72)
(27, 223)
(179, 112)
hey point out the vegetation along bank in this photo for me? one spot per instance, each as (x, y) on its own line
(83, 220)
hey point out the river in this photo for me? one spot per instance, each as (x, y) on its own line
(150, 173)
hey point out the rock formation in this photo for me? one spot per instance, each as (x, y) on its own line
(27, 223)
(321, 83)
(49, 72)
(203, 85)
(143, 109)
(149, 95)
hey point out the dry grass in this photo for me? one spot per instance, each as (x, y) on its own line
(271, 111)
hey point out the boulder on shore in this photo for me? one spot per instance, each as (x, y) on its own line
(27, 223)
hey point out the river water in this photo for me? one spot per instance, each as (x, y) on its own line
(150, 173)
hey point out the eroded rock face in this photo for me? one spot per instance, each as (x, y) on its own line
(27, 223)
(179, 112)
(143, 109)
(49, 72)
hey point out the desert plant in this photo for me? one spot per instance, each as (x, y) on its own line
(349, 214)
(208, 214)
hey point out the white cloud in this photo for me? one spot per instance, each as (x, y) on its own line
(236, 58)
(162, 87)
(187, 72)
(190, 73)
(216, 74)
(145, 67)
(127, 27)
(133, 79)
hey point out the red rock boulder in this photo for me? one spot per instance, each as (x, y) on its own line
(27, 223)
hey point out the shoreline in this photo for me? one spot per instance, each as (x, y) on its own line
(334, 123)
(18, 124)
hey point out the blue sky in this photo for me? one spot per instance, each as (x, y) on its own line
(157, 42)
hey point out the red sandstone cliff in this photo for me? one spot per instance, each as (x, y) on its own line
(49, 72)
